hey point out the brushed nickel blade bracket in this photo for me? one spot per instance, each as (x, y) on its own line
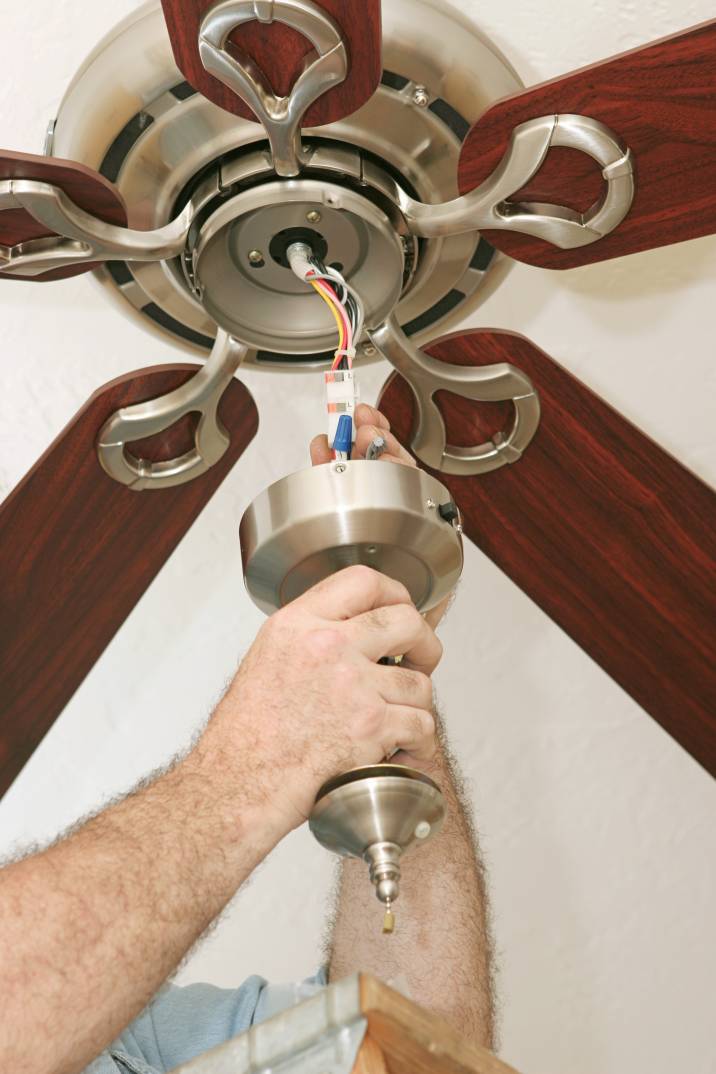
(79, 237)
(280, 116)
(202, 395)
(488, 206)
(489, 383)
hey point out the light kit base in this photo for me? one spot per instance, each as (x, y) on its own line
(305, 527)
(378, 813)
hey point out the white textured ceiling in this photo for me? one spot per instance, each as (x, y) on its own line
(598, 829)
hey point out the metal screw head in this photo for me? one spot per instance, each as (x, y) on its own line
(458, 528)
(368, 349)
(422, 829)
(421, 97)
(430, 504)
(340, 468)
(255, 257)
(313, 216)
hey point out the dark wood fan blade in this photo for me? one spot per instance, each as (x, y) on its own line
(77, 550)
(611, 536)
(661, 101)
(280, 51)
(88, 189)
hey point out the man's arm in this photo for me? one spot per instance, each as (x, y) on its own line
(91, 927)
(441, 946)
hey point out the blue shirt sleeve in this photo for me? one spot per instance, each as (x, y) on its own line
(181, 1023)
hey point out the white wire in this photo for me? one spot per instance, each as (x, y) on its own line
(333, 274)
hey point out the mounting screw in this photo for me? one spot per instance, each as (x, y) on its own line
(430, 504)
(458, 528)
(340, 468)
(256, 258)
(313, 216)
(422, 829)
(368, 349)
(420, 97)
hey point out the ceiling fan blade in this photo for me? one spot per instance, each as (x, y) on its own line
(88, 189)
(279, 51)
(77, 550)
(661, 102)
(608, 534)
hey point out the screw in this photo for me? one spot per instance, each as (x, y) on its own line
(430, 504)
(372, 549)
(340, 469)
(422, 829)
(368, 349)
(313, 216)
(458, 528)
(256, 257)
(420, 97)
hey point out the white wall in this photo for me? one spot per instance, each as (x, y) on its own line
(598, 829)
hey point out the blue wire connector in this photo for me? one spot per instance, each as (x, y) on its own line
(344, 435)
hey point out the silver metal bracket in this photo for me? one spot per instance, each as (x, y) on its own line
(488, 206)
(489, 383)
(79, 237)
(200, 394)
(281, 116)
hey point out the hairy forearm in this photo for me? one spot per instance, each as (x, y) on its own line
(441, 944)
(91, 927)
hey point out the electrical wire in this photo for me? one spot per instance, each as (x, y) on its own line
(349, 301)
(339, 317)
(345, 351)
(343, 301)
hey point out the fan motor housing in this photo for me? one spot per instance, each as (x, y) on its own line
(130, 115)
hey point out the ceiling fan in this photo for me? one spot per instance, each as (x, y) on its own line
(183, 165)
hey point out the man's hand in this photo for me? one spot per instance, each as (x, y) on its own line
(370, 424)
(310, 700)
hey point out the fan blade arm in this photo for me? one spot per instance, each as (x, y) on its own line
(272, 43)
(77, 236)
(200, 395)
(280, 116)
(46, 255)
(497, 382)
(660, 102)
(489, 207)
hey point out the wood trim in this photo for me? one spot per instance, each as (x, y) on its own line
(605, 531)
(279, 51)
(371, 1059)
(87, 188)
(661, 100)
(77, 551)
(412, 1040)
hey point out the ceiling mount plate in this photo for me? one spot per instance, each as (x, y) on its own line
(307, 526)
(249, 291)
